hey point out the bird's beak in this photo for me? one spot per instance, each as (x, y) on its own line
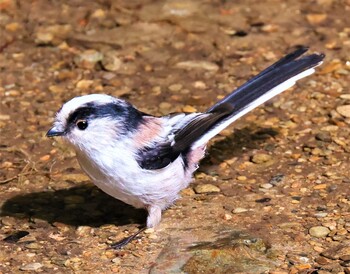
(54, 132)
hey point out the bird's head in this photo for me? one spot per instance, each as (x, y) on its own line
(94, 120)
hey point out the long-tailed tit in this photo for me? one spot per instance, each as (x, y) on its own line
(145, 161)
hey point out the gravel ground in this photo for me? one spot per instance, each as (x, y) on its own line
(272, 195)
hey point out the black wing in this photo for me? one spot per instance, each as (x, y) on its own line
(157, 156)
(160, 155)
(190, 127)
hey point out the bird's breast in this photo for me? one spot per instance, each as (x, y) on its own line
(121, 177)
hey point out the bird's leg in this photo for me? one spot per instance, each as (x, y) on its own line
(125, 241)
(154, 216)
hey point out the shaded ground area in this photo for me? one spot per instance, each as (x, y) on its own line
(272, 196)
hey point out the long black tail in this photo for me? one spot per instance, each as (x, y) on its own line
(275, 79)
(281, 71)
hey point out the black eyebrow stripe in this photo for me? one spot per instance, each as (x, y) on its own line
(81, 113)
(90, 111)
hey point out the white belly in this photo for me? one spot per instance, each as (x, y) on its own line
(123, 179)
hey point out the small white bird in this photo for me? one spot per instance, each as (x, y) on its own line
(145, 161)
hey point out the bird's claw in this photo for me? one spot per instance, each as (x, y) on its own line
(125, 241)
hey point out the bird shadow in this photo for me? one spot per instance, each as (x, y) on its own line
(239, 142)
(86, 205)
(83, 205)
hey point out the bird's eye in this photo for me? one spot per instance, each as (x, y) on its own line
(82, 124)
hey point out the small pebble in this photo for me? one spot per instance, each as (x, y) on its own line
(33, 246)
(345, 257)
(227, 217)
(83, 231)
(239, 210)
(152, 236)
(330, 128)
(13, 26)
(7, 220)
(261, 158)
(116, 261)
(321, 214)
(12, 93)
(319, 231)
(76, 178)
(206, 188)
(165, 106)
(330, 224)
(175, 87)
(324, 136)
(111, 62)
(43, 38)
(345, 96)
(56, 89)
(187, 192)
(205, 65)
(303, 266)
(263, 200)
(45, 158)
(84, 84)
(275, 180)
(322, 260)
(199, 85)
(344, 110)
(4, 117)
(270, 28)
(88, 59)
(6, 164)
(189, 109)
(266, 186)
(297, 259)
(31, 267)
(316, 18)
(149, 230)
(320, 186)
(318, 249)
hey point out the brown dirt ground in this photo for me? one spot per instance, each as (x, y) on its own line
(135, 50)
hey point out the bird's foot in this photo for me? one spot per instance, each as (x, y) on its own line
(125, 241)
